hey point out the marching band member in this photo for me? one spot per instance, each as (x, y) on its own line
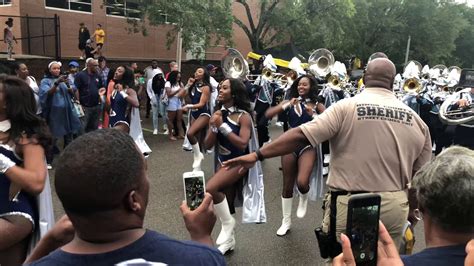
(198, 90)
(230, 131)
(464, 133)
(298, 166)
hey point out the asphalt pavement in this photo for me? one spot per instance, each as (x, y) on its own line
(257, 244)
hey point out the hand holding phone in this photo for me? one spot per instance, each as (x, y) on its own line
(362, 228)
(194, 188)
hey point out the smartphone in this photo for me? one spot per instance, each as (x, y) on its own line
(362, 228)
(194, 188)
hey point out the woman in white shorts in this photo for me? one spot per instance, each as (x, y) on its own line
(174, 88)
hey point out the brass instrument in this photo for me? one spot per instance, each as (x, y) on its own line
(234, 65)
(412, 86)
(320, 62)
(456, 117)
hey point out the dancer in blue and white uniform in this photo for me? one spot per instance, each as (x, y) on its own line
(298, 166)
(24, 137)
(231, 131)
(198, 94)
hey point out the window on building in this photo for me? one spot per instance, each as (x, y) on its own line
(5, 2)
(123, 8)
(76, 5)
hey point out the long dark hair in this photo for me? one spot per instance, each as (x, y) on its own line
(173, 78)
(206, 80)
(313, 89)
(128, 79)
(239, 94)
(158, 83)
(21, 110)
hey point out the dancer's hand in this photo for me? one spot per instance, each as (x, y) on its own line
(190, 81)
(462, 103)
(245, 162)
(200, 222)
(216, 119)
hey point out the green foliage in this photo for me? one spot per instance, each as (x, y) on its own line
(203, 22)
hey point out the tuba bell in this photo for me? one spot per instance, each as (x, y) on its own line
(455, 117)
(234, 65)
(320, 62)
(412, 86)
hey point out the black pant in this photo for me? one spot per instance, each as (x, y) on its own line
(148, 107)
(262, 122)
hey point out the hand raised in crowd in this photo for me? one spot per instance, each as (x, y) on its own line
(216, 119)
(387, 253)
(200, 222)
(61, 234)
(190, 81)
(102, 91)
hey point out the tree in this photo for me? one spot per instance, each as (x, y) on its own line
(202, 22)
(304, 23)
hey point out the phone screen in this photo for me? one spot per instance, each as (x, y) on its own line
(194, 190)
(363, 229)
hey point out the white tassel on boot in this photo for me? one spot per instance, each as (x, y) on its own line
(302, 205)
(228, 222)
(286, 211)
(198, 157)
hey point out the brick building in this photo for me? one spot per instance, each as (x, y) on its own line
(119, 43)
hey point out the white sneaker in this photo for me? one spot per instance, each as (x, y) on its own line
(327, 158)
(166, 132)
(325, 170)
(155, 132)
(49, 167)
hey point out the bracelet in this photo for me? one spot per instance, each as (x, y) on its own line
(225, 129)
(124, 94)
(214, 129)
(259, 155)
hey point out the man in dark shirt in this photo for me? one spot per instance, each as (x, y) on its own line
(89, 84)
(107, 208)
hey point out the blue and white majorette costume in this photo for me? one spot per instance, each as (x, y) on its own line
(251, 199)
(297, 116)
(36, 209)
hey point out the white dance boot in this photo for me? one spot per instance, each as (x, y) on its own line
(286, 211)
(198, 157)
(302, 205)
(228, 223)
(227, 246)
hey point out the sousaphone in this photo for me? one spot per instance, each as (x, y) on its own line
(320, 62)
(234, 65)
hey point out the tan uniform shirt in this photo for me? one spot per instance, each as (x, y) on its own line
(376, 142)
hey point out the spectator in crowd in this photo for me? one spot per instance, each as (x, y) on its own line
(9, 38)
(88, 83)
(173, 67)
(99, 35)
(154, 89)
(104, 73)
(73, 69)
(22, 72)
(150, 72)
(174, 90)
(103, 69)
(89, 50)
(108, 219)
(56, 102)
(25, 137)
(134, 66)
(84, 36)
(443, 187)
(214, 84)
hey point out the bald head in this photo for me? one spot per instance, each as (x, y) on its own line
(380, 72)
